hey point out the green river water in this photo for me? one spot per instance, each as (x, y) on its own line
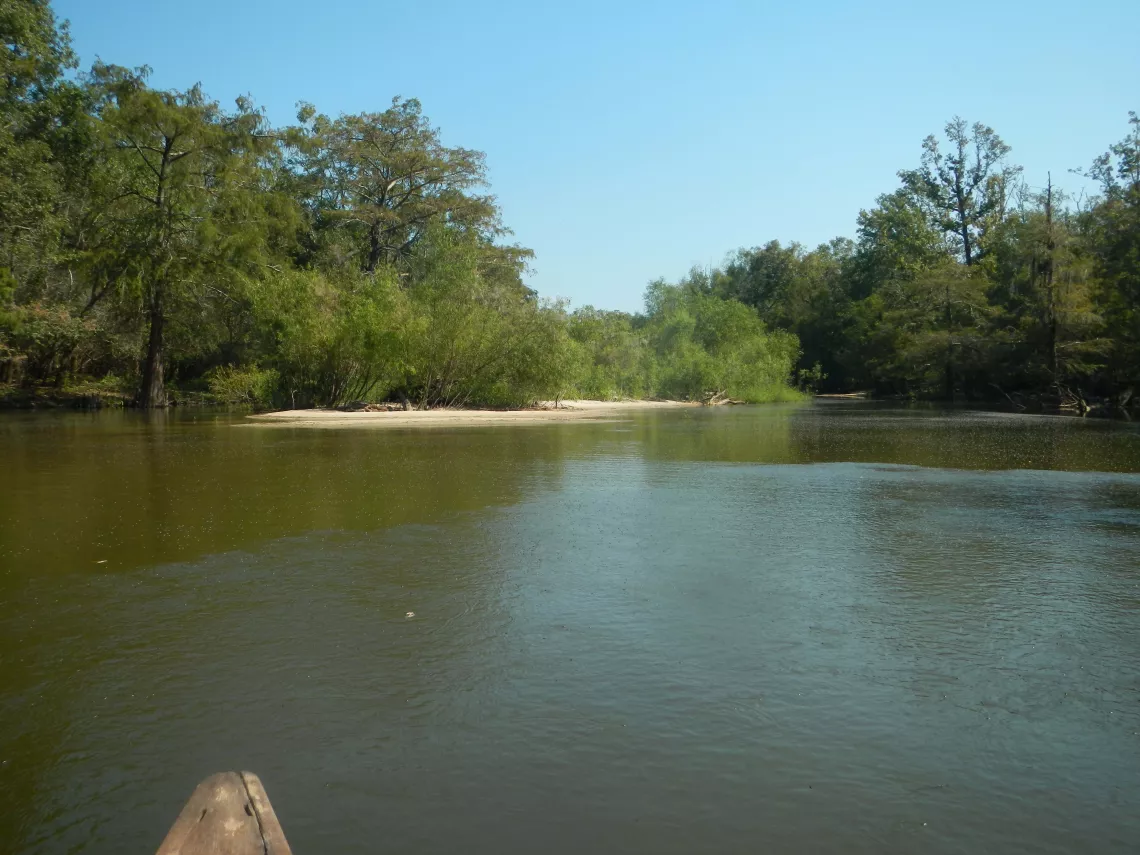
(833, 627)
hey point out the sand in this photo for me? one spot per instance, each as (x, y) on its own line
(567, 411)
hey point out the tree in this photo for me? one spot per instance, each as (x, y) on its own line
(35, 50)
(330, 339)
(895, 241)
(474, 335)
(956, 296)
(703, 345)
(925, 334)
(181, 205)
(761, 277)
(1048, 326)
(613, 354)
(966, 190)
(380, 180)
(818, 312)
(1114, 236)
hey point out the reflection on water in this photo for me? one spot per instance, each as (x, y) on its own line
(665, 635)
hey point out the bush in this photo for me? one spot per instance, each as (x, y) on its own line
(250, 385)
(705, 344)
(47, 343)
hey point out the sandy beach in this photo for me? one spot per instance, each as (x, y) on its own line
(567, 411)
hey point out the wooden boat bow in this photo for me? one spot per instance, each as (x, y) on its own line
(228, 814)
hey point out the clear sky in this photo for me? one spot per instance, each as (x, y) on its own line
(627, 141)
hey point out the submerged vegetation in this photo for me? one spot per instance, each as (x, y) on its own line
(155, 246)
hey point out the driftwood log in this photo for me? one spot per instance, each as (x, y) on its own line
(718, 399)
(228, 814)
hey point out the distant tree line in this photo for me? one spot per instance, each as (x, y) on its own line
(965, 282)
(156, 246)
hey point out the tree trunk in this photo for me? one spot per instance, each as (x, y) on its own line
(949, 347)
(153, 391)
(963, 220)
(1050, 286)
(375, 249)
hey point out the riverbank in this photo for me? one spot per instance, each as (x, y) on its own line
(78, 396)
(566, 411)
(106, 394)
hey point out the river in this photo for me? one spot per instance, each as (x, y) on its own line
(834, 627)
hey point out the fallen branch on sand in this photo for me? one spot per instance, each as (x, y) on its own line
(718, 399)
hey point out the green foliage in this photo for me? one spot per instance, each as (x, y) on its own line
(472, 335)
(376, 183)
(964, 191)
(950, 290)
(330, 340)
(34, 51)
(249, 385)
(1047, 330)
(47, 343)
(612, 360)
(896, 242)
(35, 114)
(450, 330)
(182, 215)
(689, 345)
(763, 278)
(810, 379)
(705, 344)
(151, 235)
(1114, 230)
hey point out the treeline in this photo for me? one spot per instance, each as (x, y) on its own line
(154, 245)
(158, 246)
(965, 282)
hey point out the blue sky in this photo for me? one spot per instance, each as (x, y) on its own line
(627, 141)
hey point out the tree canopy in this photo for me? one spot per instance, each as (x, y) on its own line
(156, 245)
(161, 245)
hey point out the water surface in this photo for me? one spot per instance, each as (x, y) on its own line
(838, 627)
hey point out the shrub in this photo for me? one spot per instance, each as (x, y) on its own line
(250, 385)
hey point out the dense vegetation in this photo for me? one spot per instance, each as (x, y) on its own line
(157, 246)
(966, 282)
